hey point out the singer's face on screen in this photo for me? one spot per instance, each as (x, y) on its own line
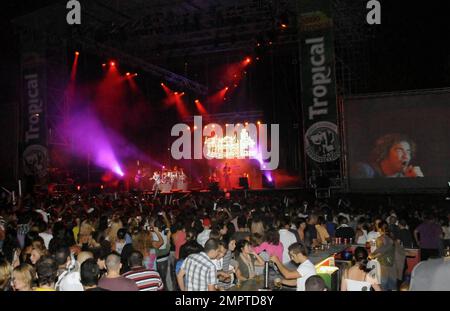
(398, 157)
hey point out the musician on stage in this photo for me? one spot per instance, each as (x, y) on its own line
(157, 178)
(138, 179)
(226, 176)
(174, 176)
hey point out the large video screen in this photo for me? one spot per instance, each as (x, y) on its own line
(397, 142)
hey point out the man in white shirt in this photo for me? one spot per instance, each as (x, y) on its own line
(287, 238)
(431, 275)
(45, 233)
(299, 254)
(204, 235)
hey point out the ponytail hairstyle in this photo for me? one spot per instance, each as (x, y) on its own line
(361, 256)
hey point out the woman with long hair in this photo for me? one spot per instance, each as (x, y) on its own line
(5, 275)
(301, 227)
(271, 245)
(143, 242)
(247, 259)
(38, 250)
(23, 277)
(111, 232)
(358, 278)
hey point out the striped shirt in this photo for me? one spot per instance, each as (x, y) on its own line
(200, 272)
(226, 261)
(146, 279)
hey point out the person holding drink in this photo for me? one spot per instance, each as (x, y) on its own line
(299, 254)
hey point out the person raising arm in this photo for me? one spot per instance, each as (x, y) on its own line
(299, 254)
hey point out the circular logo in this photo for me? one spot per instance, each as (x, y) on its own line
(35, 160)
(322, 142)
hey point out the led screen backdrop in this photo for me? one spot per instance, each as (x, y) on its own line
(398, 141)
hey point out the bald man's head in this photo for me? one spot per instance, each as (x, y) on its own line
(113, 263)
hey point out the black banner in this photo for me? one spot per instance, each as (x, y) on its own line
(34, 151)
(321, 134)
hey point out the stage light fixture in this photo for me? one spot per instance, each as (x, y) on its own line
(103, 65)
(112, 64)
(197, 101)
(127, 74)
(248, 60)
(77, 53)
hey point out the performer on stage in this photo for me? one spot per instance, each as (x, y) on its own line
(226, 176)
(181, 180)
(157, 178)
(138, 179)
(181, 175)
(174, 177)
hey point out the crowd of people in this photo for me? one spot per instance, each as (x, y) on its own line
(207, 241)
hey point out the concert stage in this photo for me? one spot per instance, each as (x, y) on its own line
(235, 191)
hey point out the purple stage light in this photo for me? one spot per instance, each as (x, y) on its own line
(90, 139)
(118, 171)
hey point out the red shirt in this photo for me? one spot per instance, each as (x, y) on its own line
(179, 240)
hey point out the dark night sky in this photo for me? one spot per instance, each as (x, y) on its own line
(409, 51)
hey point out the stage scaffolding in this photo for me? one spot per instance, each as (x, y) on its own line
(143, 33)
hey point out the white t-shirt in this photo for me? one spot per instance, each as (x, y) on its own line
(164, 237)
(431, 275)
(363, 238)
(306, 270)
(47, 237)
(71, 282)
(203, 237)
(287, 238)
(372, 235)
